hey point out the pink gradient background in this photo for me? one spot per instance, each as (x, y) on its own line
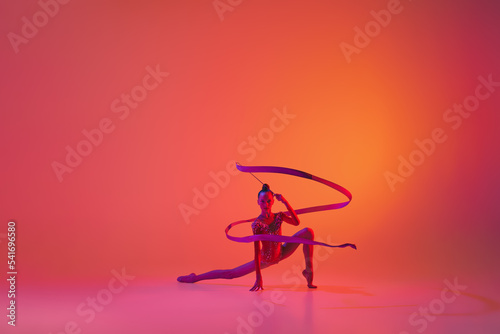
(120, 207)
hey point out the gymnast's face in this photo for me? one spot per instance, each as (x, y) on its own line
(266, 201)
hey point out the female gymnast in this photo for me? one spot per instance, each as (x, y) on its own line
(271, 252)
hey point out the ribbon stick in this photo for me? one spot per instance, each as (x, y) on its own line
(280, 238)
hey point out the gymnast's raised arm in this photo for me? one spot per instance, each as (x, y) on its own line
(292, 219)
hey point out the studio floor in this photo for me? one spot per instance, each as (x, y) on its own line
(342, 305)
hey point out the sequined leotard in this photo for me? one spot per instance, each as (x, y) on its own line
(271, 250)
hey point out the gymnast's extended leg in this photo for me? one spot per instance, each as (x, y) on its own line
(242, 270)
(289, 248)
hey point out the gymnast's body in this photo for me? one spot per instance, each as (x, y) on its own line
(271, 252)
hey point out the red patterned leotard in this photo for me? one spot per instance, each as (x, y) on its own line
(271, 250)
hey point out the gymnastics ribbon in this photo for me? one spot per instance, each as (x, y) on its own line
(281, 238)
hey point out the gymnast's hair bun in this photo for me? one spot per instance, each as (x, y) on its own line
(265, 189)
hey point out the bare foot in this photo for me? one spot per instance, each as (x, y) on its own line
(309, 277)
(187, 279)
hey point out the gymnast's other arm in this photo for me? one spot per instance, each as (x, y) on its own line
(258, 281)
